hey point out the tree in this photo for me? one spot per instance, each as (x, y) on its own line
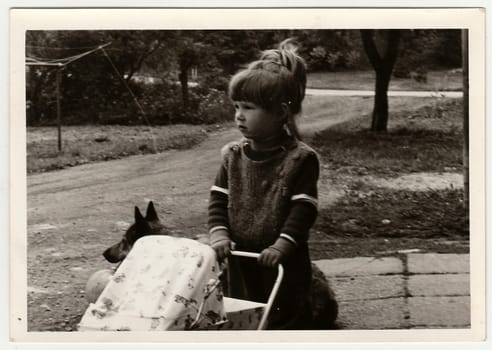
(188, 55)
(136, 47)
(91, 87)
(40, 85)
(329, 49)
(382, 61)
(466, 158)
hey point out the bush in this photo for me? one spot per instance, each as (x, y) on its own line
(215, 107)
(320, 58)
(163, 105)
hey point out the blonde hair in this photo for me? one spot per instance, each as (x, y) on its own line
(278, 77)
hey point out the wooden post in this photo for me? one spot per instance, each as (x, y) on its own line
(466, 158)
(58, 107)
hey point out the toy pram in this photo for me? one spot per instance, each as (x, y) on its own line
(168, 283)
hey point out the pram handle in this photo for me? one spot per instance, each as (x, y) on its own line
(275, 288)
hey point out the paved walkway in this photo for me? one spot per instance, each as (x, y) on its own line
(408, 291)
(329, 92)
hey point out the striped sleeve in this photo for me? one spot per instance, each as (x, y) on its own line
(306, 185)
(219, 198)
(304, 203)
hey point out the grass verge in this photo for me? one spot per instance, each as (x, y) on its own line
(428, 139)
(84, 144)
(370, 219)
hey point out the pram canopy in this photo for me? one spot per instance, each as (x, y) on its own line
(165, 283)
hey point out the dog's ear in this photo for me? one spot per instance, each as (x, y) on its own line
(141, 225)
(151, 213)
(138, 215)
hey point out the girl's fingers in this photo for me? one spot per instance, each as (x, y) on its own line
(226, 251)
(222, 250)
(261, 258)
(268, 259)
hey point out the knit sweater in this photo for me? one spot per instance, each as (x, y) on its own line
(268, 198)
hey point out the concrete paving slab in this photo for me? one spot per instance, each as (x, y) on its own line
(439, 312)
(432, 291)
(439, 285)
(372, 314)
(438, 263)
(360, 266)
(368, 287)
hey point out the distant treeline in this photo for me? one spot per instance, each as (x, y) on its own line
(180, 76)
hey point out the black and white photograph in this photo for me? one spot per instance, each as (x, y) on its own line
(254, 173)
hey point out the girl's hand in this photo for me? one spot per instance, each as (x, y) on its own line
(222, 248)
(270, 257)
(221, 243)
(276, 253)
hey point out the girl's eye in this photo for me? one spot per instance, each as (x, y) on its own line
(244, 105)
(249, 106)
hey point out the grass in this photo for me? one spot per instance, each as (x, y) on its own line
(84, 144)
(426, 139)
(370, 219)
(384, 222)
(398, 213)
(441, 80)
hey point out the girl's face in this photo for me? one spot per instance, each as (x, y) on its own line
(256, 123)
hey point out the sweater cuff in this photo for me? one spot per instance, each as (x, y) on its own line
(218, 233)
(289, 238)
(284, 246)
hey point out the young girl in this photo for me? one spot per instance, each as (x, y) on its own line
(265, 194)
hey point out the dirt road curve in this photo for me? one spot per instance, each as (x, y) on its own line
(175, 180)
(178, 182)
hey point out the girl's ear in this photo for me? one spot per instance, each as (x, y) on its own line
(284, 111)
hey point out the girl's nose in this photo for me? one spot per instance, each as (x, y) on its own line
(239, 115)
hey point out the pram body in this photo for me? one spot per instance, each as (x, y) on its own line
(169, 283)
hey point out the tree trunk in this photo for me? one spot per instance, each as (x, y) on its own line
(36, 87)
(183, 79)
(58, 106)
(383, 65)
(466, 174)
(380, 111)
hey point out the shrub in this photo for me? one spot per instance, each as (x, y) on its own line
(163, 105)
(214, 107)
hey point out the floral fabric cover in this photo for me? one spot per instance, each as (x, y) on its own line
(163, 284)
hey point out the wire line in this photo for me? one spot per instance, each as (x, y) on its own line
(60, 48)
(134, 98)
(66, 60)
(61, 62)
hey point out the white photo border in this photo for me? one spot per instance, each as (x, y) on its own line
(472, 19)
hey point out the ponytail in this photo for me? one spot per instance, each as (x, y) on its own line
(278, 77)
(287, 56)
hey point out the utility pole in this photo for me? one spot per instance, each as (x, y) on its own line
(60, 64)
(58, 106)
(466, 158)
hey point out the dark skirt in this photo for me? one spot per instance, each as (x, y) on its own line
(291, 309)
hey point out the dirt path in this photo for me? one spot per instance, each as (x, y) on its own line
(178, 182)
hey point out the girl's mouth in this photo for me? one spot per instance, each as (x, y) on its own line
(242, 128)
